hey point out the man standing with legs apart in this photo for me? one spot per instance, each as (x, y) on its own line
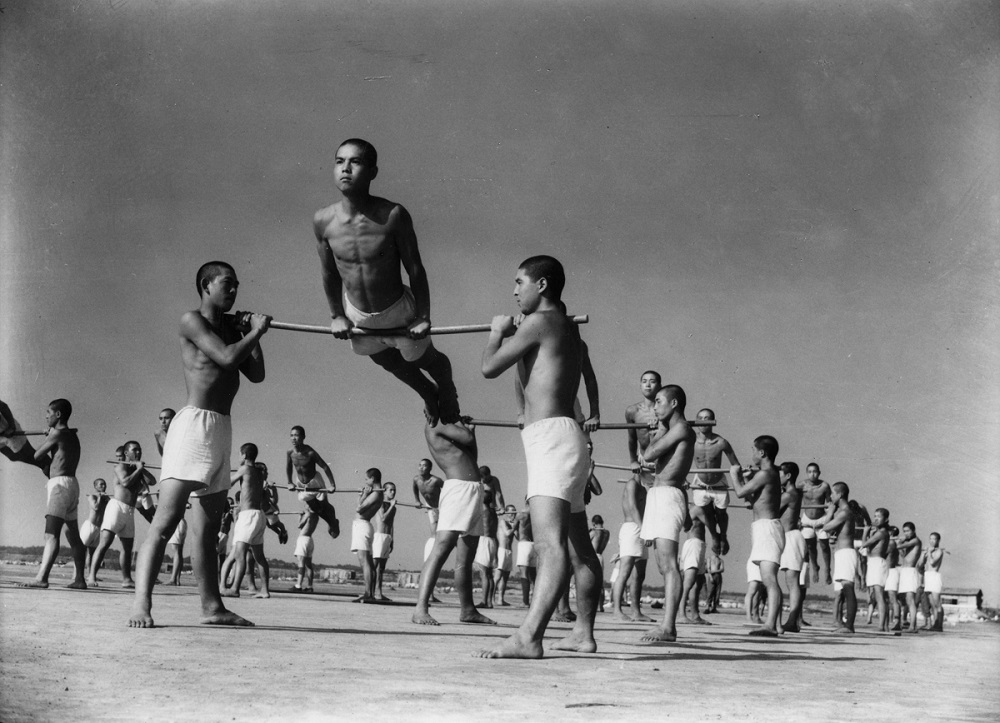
(548, 352)
(453, 447)
(362, 241)
(671, 451)
(198, 447)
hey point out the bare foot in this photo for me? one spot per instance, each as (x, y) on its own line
(77, 585)
(622, 617)
(226, 617)
(35, 584)
(640, 618)
(92, 581)
(229, 593)
(263, 595)
(577, 642)
(128, 584)
(476, 618)
(513, 647)
(141, 619)
(764, 633)
(698, 621)
(659, 635)
(422, 617)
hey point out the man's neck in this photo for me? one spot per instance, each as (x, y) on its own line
(356, 202)
(211, 312)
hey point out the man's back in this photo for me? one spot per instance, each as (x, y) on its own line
(66, 456)
(457, 459)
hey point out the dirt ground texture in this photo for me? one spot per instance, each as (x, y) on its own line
(69, 655)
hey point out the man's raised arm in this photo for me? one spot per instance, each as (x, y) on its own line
(409, 256)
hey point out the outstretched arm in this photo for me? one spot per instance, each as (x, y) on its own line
(409, 256)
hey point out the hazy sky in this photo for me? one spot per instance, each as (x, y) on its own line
(790, 209)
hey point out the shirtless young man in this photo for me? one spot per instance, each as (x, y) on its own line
(90, 528)
(933, 583)
(160, 435)
(632, 550)
(303, 461)
(527, 561)
(892, 581)
(693, 564)
(794, 553)
(816, 494)
(385, 520)
(709, 489)
(60, 453)
(271, 509)
(713, 581)
(877, 545)
(548, 352)
(197, 450)
(363, 533)
(487, 550)
(14, 445)
(671, 450)
(427, 492)
(599, 539)
(505, 556)
(304, 548)
(131, 477)
(454, 448)
(845, 559)
(362, 242)
(248, 534)
(763, 489)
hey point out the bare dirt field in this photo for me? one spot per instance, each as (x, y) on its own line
(68, 655)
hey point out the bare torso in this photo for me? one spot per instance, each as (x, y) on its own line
(633, 501)
(673, 466)
(642, 413)
(429, 489)
(251, 488)
(370, 503)
(522, 526)
(66, 455)
(126, 490)
(845, 532)
(457, 461)
(386, 518)
(365, 249)
(550, 372)
(209, 386)
(708, 451)
(98, 503)
(505, 533)
(766, 500)
(599, 539)
(791, 500)
(489, 512)
(303, 462)
(815, 493)
(880, 548)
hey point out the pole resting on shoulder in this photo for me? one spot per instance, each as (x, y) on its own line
(241, 318)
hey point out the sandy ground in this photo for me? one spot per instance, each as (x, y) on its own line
(68, 655)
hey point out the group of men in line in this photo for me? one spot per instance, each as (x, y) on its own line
(363, 241)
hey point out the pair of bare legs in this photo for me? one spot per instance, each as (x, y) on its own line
(793, 623)
(850, 608)
(124, 558)
(562, 543)
(500, 578)
(306, 572)
(527, 580)
(257, 551)
(379, 564)
(177, 563)
(769, 580)
(665, 552)
(53, 530)
(205, 521)
(439, 393)
(444, 542)
(488, 585)
(690, 594)
(631, 571)
(367, 565)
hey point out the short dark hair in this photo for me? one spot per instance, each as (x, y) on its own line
(812, 464)
(791, 469)
(910, 525)
(368, 152)
(675, 392)
(548, 268)
(63, 407)
(132, 443)
(893, 530)
(427, 461)
(210, 271)
(884, 511)
(300, 429)
(168, 409)
(659, 377)
(597, 520)
(935, 534)
(712, 414)
(390, 483)
(842, 488)
(768, 445)
(484, 470)
(249, 450)
(375, 473)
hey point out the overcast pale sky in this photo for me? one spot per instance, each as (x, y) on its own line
(789, 209)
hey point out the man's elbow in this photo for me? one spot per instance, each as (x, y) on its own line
(490, 371)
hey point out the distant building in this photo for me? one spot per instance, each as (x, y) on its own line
(961, 600)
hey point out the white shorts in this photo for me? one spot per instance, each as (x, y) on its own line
(90, 533)
(145, 500)
(753, 572)
(314, 484)
(768, 541)
(119, 518)
(461, 507)
(381, 545)
(304, 546)
(198, 449)
(892, 580)
(558, 462)
(249, 527)
(794, 555)
(804, 576)
(486, 553)
(180, 533)
(629, 542)
(719, 499)
(666, 508)
(434, 513)
(909, 580)
(845, 565)
(878, 571)
(526, 553)
(428, 547)
(400, 314)
(505, 561)
(62, 498)
(362, 533)
(932, 581)
(693, 555)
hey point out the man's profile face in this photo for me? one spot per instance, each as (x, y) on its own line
(166, 417)
(527, 292)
